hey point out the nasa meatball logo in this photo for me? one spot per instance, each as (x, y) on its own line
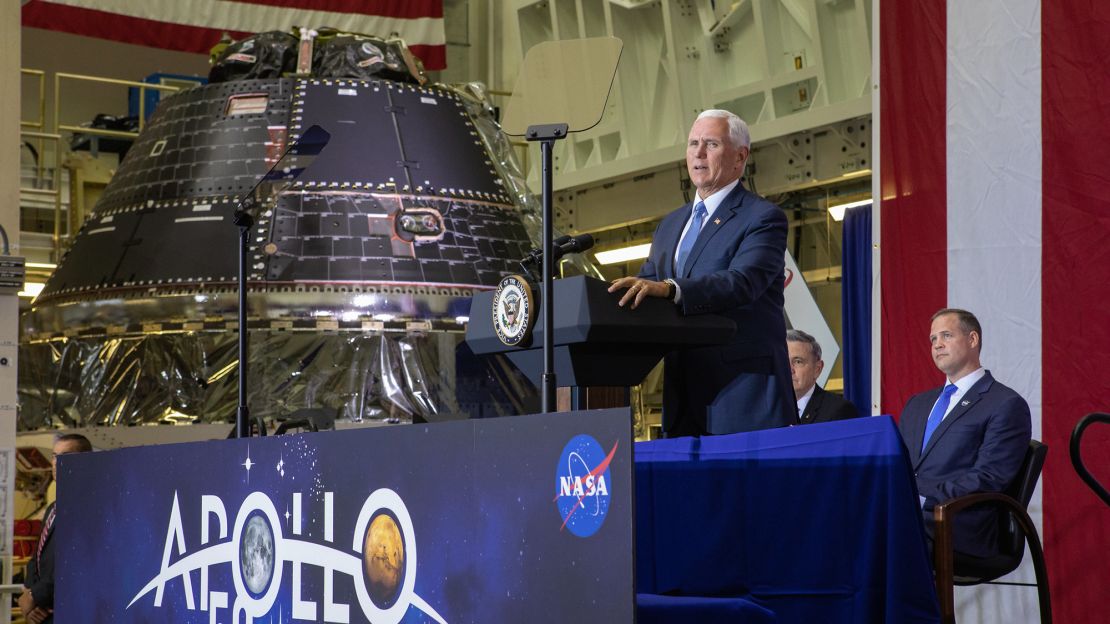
(513, 310)
(582, 485)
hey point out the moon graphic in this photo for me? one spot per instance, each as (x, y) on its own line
(256, 554)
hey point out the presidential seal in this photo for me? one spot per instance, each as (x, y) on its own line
(513, 310)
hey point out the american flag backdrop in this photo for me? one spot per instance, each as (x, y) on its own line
(196, 25)
(994, 179)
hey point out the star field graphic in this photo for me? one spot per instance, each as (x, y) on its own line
(451, 523)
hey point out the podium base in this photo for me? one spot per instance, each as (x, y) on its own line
(569, 398)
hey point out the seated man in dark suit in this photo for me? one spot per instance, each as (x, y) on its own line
(969, 436)
(814, 403)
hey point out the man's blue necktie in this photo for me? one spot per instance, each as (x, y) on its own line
(937, 414)
(691, 237)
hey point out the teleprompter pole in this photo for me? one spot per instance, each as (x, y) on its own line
(546, 135)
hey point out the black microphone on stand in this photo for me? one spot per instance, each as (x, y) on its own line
(578, 244)
(559, 247)
(311, 142)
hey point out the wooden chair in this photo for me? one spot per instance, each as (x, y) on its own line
(1015, 529)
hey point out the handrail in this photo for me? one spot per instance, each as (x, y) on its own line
(98, 131)
(56, 190)
(41, 123)
(40, 135)
(141, 86)
(58, 127)
(1077, 458)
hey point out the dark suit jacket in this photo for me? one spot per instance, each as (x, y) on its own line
(735, 269)
(825, 406)
(978, 447)
(40, 571)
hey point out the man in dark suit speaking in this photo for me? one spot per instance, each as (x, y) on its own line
(969, 436)
(723, 253)
(815, 405)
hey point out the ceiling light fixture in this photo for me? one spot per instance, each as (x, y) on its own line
(624, 254)
(837, 210)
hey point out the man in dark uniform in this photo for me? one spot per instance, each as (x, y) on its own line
(37, 599)
(815, 404)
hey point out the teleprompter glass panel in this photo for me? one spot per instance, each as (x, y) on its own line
(563, 82)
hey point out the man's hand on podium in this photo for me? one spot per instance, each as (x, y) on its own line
(639, 288)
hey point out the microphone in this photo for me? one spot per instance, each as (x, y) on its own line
(578, 244)
(536, 254)
(559, 247)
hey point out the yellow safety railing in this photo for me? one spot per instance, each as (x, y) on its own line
(37, 131)
(55, 191)
(141, 86)
(40, 123)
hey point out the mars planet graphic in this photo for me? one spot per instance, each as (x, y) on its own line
(384, 559)
(256, 554)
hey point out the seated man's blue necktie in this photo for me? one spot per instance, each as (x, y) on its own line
(937, 414)
(691, 237)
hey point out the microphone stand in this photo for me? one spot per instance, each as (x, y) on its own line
(244, 220)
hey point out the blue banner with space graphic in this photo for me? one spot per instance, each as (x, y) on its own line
(498, 520)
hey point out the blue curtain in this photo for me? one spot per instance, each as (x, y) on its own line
(856, 307)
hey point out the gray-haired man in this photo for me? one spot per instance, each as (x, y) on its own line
(814, 403)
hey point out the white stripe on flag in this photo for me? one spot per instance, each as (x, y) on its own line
(250, 17)
(993, 168)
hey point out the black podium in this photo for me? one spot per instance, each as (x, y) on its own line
(600, 348)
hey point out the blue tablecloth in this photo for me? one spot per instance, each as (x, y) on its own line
(656, 609)
(820, 523)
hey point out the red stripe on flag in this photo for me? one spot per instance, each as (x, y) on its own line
(913, 220)
(155, 34)
(1075, 295)
(433, 56)
(116, 27)
(408, 9)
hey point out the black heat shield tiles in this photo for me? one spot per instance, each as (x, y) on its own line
(363, 148)
(391, 137)
(445, 152)
(160, 245)
(165, 218)
(191, 148)
(329, 236)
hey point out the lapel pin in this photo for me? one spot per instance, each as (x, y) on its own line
(965, 403)
(717, 221)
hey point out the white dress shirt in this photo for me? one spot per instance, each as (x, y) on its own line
(962, 386)
(804, 401)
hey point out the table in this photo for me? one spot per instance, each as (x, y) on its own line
(818, 523)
